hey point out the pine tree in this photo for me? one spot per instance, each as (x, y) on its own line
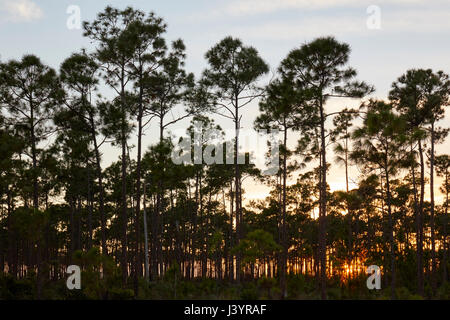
(281, 108)
(319, 68)
(115, 52)
(420, 96)
(30, 91)
(231, 83)
(380, 145)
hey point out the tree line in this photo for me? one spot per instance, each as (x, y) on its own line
(143, 219)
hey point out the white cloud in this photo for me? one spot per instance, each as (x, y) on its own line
(252, 7)
(20, 10)
(413, 21)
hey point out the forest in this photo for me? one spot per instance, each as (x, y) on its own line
(147, 228)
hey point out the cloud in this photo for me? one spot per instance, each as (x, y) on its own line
(20, 10)
(253, 7)
(413, 21)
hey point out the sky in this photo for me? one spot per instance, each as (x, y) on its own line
(387, 38)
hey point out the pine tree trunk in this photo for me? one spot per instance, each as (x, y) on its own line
(433, 245)
(89, 203)
(146, 257)
(420, 216)
(283, 223)
(445, 253)
(137, 262)
(100, 186)
(323, 205)
(124, 262)
(238, 191)
(420, 287)
(391, 232)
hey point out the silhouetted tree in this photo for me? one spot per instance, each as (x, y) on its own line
(231, 80)
(319, 68)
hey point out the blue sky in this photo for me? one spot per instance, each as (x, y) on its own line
(414, 33)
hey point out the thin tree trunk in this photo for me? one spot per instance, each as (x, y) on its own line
(349, 213)
(137, 262)
(420, 216)
(445, 253)
(35, 196)
(146, 261)
(391, 233)
(232, 239)
(420, 286)
(89, 203)
(100, 185)
(433, 246)
(238, 191)
(323, 206)
(124, 262)
(284, 232)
